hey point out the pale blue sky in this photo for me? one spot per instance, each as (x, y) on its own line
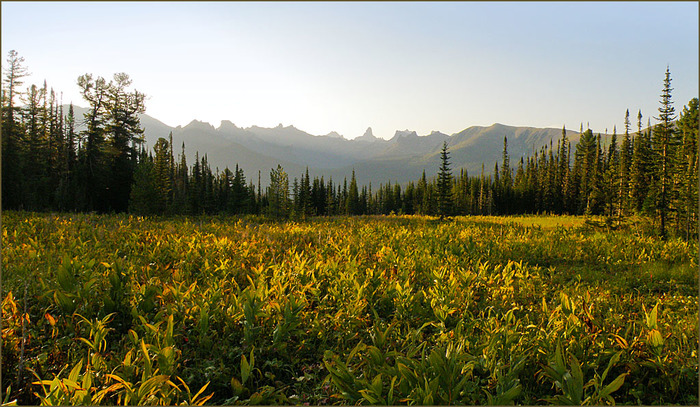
(343, 67)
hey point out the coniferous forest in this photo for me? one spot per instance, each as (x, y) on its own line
(649, 169)
(228, 293)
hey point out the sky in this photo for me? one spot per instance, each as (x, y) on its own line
(346, 66)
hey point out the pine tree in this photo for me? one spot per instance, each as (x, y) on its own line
(240, 197)
(278, 193)
(444, 184)
(34, 154)
(688, 169)
(562, 177)
(596, 197)
(505, 181)
(124, 133)
(611, 177)
(483, 192)
(625, 162)
(144, 196)
(12, 166)
(305, 194)
(352, 203)
(161, 174)
(181, 182)
(663, 144)
(550, 180)
(93, 165)
(68, 199)
(422, 195)
(640, 168)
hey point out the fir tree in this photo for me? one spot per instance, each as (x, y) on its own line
(663, 144)
(640, 168)
(625, 162)
(12, 166)
(352, 203)
(444, 184)
(278, 193)
(688, 170)
(161, 174)
(144, 196)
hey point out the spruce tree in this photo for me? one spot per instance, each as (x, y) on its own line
(562, 172)
(278, 193)
(444, 184)
(506, 180)
(124, 133)
(144, 195)
(305, 193)
(688, 169)
(611, 178)
(640, 167)
(12, 171)
(352, 202)
(625, 161)
(161, 174)
(664, 143)
(34, 153)
(483, 192)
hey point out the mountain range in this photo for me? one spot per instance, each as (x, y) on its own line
(401, 159)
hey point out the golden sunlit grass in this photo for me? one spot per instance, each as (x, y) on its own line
(346, 310)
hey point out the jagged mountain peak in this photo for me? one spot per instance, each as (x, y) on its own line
(368, 136)
(334, 134)
(200, 125)
(402, 134)
(227, 125)
(436, 133)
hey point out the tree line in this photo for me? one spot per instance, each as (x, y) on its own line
(48, 165)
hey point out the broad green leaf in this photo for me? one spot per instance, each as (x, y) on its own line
(651, 317)
(75, 372)
(655, 338)
(613, 386)
(611, 363)
(377, 385)
(245, 369)
(510, 395)
(577, 375)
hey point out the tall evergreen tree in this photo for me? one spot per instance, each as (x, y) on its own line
(688, 170)
(145, 194)
(34, 152)
(12, 131)
(664, 142)
(305, 195)
(483, 192)
(444, 184)
(240, 198)
(93, 165)
(641, 167)
(611, 176)
(161, 174)
(562, 176)
(625, 161)
(124, 134)
(352, 203)
(505, 180)
(278, 193)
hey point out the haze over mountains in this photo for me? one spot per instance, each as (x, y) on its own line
(400, 159)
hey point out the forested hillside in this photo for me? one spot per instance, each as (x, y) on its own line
(48, 165)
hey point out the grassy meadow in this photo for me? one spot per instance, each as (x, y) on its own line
(116, 309)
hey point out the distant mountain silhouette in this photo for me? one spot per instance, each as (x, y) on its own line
(400, 159)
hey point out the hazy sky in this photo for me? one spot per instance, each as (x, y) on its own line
(343, 67)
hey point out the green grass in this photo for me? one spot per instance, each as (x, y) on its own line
(368, 310)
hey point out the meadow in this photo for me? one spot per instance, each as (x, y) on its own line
(118, 309)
